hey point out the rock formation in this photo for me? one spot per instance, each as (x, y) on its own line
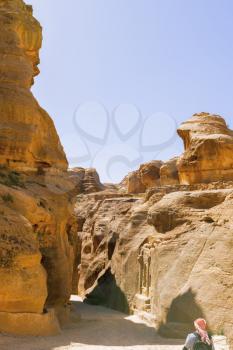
(159, 244)
(36, 253)
(87, 180)
(208, 150)
(169, 172)
(147, 176)
(195, 247)
(165, 254)
(28, 139)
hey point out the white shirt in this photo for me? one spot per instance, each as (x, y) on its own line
(191, 339)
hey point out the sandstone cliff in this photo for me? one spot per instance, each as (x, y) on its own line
(165, 254)
(159, 244)
(208, 146)
(86, 180)
(36, 254)
(147, 176)
(28, 139)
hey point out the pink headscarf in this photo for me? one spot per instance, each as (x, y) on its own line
(201, 326)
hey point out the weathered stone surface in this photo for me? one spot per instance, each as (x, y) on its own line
(36, 252)
(208, 152)
(28, 139)
(147, 176)
(150, 173)
(166, 255)
(169, 251)
(45, 324)
(97, 249)
(23, 279)
(134, 183)
(197, 255)
(169, 172)
(87, 180)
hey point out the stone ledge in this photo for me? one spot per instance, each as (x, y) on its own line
(29, 324)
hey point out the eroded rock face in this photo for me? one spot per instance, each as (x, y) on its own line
(150, 173)
(87, 180)
(192, 260)
(169, 172)
(134, 183)
(207, 158)
(23, 279)
(147, 176)
(161, 242)
(166, 257)
(208, 150)
(36, 252)
(108, 214)
(28, 139)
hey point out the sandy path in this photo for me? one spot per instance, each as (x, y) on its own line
(99, 328)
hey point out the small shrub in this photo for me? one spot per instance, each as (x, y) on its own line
(11, 179)
(7, 198)
(14, 178)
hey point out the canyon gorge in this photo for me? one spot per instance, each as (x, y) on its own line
(157, 245)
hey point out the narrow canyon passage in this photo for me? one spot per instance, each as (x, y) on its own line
(96, 328)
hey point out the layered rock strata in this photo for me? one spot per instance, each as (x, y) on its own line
(208, 152)
(86, 180)
(169, 172)
(147, 176)
(165, 254)
(36, 253)
(167, 257)
(160, 244)
(28, 139)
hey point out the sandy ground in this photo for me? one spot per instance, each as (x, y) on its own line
(99, 328)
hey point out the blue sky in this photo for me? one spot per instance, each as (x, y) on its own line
(118, 75)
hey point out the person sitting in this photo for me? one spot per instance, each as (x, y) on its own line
(200, 339)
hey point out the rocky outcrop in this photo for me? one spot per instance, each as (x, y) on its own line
(159, 244)
(169, 172)
(106, 211)
(207, 158)
(208, 152)
(19, 249)
(87, 180)
(165, 254)
(133, 183)
(194, 245)
(36, 253)
(147, 176)
(28, 139)
(166, 258)
(150, 173)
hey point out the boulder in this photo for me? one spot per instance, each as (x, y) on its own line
(147, 176)
(169, 172)
(208, 154)
(134, 183)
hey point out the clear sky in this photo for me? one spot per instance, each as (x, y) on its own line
(118, 75)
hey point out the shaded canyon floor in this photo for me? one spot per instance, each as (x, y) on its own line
(96, 328)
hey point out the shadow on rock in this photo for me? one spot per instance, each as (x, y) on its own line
(108, 294)
(183, 311)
